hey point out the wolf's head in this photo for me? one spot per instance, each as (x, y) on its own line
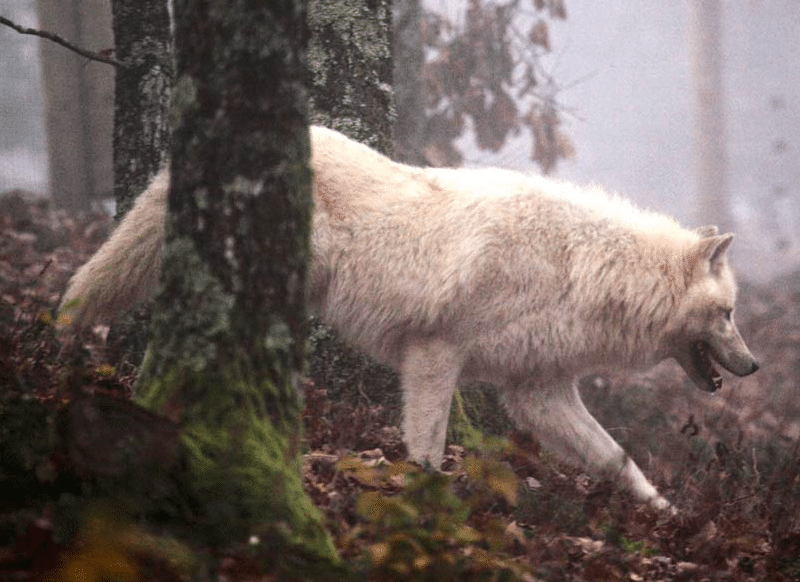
(703, 331)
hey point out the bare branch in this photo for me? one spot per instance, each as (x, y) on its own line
(65, 43)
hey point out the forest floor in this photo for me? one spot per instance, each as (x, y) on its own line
(729, 462)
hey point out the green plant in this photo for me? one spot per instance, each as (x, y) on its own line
(428, 532)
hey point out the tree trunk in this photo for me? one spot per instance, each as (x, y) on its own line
(712, 164)
(350, 57)
(143, 42)
(77, 96)
(142, 129)
(351, 91)
(228, 338)
(409, 59)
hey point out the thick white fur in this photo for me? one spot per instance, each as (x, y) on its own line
(454, 275)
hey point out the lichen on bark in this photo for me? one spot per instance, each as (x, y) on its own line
(228, 323)
(143, 42)
(350, 60)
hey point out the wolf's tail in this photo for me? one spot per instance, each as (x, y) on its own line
(125, 269)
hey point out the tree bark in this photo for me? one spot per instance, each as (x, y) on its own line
(142, 129)
(350, 57)
(228, 328)
(143, 41)
(409, 59)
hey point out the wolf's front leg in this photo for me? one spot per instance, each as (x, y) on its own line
(557, 416)
(428, 374)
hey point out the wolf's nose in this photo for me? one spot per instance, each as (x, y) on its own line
(755, 366)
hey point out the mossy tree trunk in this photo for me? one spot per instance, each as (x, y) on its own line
(228, 324)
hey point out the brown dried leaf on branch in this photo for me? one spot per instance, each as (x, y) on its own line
(473, 73)
(550, 144)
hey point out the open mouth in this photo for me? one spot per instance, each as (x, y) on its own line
(704, 367)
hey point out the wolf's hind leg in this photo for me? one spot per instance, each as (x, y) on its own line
(428, 374)
(557, 416)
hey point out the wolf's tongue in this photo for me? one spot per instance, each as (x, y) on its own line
(706, 366)
(717, 378)
(713, 374)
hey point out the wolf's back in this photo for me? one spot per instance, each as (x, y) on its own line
(126, 268)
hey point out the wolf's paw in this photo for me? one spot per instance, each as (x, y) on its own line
(663, 506)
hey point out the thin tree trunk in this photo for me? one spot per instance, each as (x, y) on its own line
(77, 92)
(142, 129)
(143, 41)
(710, 142)
(409, 58)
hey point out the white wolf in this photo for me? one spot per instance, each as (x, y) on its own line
(455, 275)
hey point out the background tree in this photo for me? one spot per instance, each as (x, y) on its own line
(409, 60)
(142, 129)
(350, 63)
(713, 202)
(77, 98)
(228, 325)
(143, 42)
(350, 59)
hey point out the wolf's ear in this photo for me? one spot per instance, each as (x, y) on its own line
(711, 250)
(707, 230)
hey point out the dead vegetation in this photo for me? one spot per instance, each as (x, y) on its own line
(730, 461)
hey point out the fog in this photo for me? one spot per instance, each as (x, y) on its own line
(23, 151)
(626, 91)
(629, 107)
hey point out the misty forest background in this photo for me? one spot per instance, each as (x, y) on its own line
(590, 92)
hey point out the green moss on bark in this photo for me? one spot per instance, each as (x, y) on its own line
(228, 322)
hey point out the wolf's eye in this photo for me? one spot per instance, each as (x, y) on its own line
(727, 313)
